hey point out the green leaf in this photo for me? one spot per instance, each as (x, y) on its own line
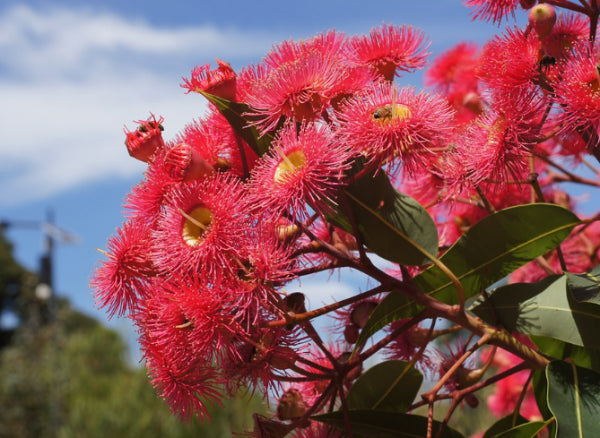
(391, 224)
(503, 425)
(540, 389)
(386, 424)
(586, 287)
(496, 246)
(527, 430)
(574, 399)
(387, 386)
(580, 356)
(235, 113)
(546, 308)
(490, 250)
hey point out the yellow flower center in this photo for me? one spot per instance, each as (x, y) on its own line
(288, 165)
(195, 225)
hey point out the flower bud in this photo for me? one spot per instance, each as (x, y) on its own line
(291, 405)
(542, 18)
(351, 333)
(472, 102)
(361, 312)
(283, 358)
(527, 4)
(184, 163)
(219, 82)
(143, 143)
(294, 302)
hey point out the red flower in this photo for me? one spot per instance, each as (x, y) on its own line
(122, 279)
(578, 90)
(145, 200)
(385, 125)
(495, 147)
(511, 61)
(454, 74)
(202, 229)
(492, 10)
(569, 30)
(219, 82)
(389, 49)
(299, 89)
(187, 386)
(302, 169)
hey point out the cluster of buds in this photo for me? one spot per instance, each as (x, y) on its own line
(244, 201)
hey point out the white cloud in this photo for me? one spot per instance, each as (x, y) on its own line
(70, 80)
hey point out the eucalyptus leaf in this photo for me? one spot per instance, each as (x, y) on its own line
(580, 356)
(540, 391)
(546, 308)
(585, 287)
(387, 386)
(490, 250)
(382, 424)
(574, 399)
(504, 424)
(527, 430)
(390, 223)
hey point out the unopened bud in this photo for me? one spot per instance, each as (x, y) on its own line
(184, 163)
(291, 405)
(542, 18)
(351, 333)
(283, 358)
(472, 102)
(472, 400)
(527, 4)
(294, 302)
(417, 336)
(361, 313)
(356, 371)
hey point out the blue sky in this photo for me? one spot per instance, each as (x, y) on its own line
(73, 73)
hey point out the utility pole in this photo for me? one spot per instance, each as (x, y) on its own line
(45, 292)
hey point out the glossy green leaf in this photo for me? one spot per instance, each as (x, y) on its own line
(540, 391)
(391, 224)
(585, 287)
(504, 424)
(546, 308)
(580, 356)
(235, 113)
(527, 430)
(574, 399)
(387, 386)
(491, 249)
(386, 424)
